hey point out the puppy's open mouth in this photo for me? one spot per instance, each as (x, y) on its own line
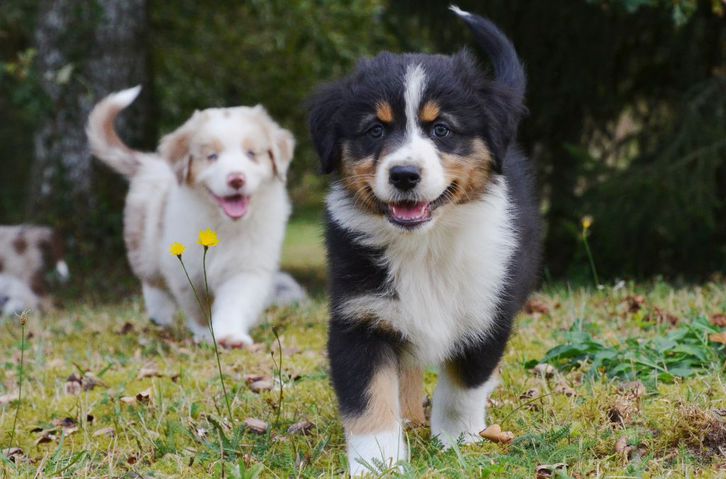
(234, 206)
(410, 214)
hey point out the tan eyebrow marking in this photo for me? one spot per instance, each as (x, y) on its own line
(429, 112)
(384, 112)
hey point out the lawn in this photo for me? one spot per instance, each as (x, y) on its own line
(106, 394)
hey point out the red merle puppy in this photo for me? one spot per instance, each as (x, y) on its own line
(433, 237)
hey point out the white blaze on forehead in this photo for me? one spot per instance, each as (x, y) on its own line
(413, 84)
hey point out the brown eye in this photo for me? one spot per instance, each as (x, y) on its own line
(212, 157)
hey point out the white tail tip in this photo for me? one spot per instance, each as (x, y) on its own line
(62, 269)
(125, 97)
(459, 11)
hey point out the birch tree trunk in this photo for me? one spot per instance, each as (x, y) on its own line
(86, 49)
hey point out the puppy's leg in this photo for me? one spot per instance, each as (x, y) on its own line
(160, 306)
(238, 304)
(459, 411)
(365, 376)
(412, 394)
(465, 383)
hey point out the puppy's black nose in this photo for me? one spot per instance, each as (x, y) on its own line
(405, 178)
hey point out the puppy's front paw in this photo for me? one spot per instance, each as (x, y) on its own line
(236, 341)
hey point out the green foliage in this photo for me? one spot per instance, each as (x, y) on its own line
(678, 354)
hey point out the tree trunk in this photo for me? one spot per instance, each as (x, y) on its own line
(86, 49)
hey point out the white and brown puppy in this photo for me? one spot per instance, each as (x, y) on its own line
(31, 254)
(223, 169)
(433, 238)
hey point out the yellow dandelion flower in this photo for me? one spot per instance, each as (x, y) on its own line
(177, 249)
(208, 238)
(586, 222)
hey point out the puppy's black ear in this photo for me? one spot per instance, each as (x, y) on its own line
(323, 111)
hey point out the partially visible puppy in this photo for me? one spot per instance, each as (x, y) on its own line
(433, 238)
(16, 297)
(225, 169)
(32, 253)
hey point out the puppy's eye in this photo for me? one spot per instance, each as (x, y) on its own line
(212, 156)
(376, 131)
(440, 130)
(250, 154)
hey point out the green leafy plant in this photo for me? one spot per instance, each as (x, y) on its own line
(680, 353)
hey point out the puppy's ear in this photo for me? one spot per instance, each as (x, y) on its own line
(501, 106)
(175, 148)
(323, 111)
(282, 144)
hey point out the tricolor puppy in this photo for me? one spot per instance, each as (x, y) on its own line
(223, 169)
(433, 237)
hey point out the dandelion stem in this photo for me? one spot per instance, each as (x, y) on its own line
(211, 330)
(589, 256)
(208, 313)
(20, 378)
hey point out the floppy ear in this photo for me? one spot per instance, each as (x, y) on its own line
(174, 148)
(323, 110)
(282, 144)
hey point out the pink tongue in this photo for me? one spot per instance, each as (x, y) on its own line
(410, 212)
(235, 206)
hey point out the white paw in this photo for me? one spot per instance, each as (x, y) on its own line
(235, 341)
(375, 453)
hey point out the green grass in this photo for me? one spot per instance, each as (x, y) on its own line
(673, 428)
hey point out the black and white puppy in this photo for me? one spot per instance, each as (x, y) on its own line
(433, 237)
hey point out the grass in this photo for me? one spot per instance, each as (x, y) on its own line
(143, 402)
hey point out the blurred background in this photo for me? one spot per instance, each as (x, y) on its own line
(627, 118)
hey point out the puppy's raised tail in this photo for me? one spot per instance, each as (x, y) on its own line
(508, 70)
(102, 137)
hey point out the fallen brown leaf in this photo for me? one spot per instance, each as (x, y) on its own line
(718, 338)
(545, 370)
(545, 471)
(149, 372)
(494, 433)
(45, 438)
(144, 396)
(663, 317)
(621, 445)
(634, 303)
(718, 319)
(8, 398)
(302, 427)
(126, 328)
(106, 431)
(536, 305)
(128, 400)
(261, 385)
(257, 426)
(564, 388)
(530, 394)
(13, 454)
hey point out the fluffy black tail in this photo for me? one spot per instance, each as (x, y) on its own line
(508, 70)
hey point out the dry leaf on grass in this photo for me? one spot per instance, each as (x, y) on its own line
(536, 306)
(663, 317)
(563, 388)
(8, 398)
(14, 454)
(257, 426)
(545, 471)
(718, 319)
(718, 338)
(302, 427)
(45, 438)
(634, 303)
(494, 433)
(106, 431)
(545, 370)
(260, 385)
